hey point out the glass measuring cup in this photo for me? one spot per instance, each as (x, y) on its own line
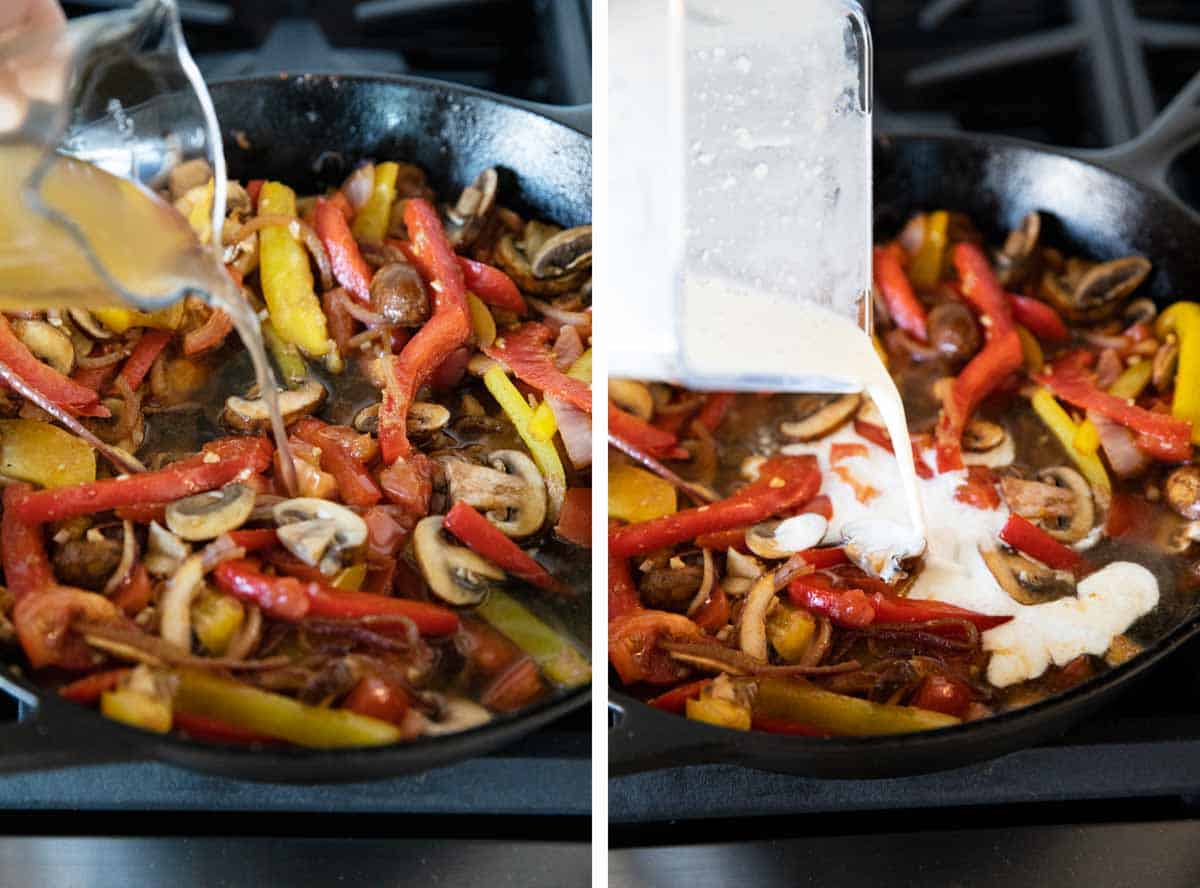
(740, 143)
(93, 116)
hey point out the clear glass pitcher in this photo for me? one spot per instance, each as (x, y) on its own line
(740, 158)
(93, 116)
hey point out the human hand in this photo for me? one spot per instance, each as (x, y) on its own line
(21, 14)
(27, 71)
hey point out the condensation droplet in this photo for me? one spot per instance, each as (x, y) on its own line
(742, 63)
(760, 171)
(742, 136)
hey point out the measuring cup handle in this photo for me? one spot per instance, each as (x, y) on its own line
(1148, 157)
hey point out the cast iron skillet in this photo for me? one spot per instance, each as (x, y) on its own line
(309, 131)
(1100, 204)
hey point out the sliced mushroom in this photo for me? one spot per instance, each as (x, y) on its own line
(187, 176)
(953, 331)
(1024, 581)
(632, 397)
(88, 561)
(563, 253)
(779, 539)
(529, 513)
(245, 414)
(738, 564)
(514, 257)
(1082, 516)
(1183, 491)
(84, 321)
(458, 714)
(1099, 290)
(1166, 360)
(823, 420)
(206, 516)
(987, 444)
(424, 418)
(1036, 500)
(399, 294)
(466, 219)
(47, 342)
(367, 420)
(1017, 260)
(455, 574)
(328, 535)
(672, 587)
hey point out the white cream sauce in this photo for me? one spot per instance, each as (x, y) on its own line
(953, 571)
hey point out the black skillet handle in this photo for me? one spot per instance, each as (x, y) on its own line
(576, 117)
(1148, 157)
(641, 738)
(40, 740)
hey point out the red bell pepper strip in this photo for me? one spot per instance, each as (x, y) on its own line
(785, 726)
(486, 541)
(135, 592)
(879, 436)
(525, 350)
(784, 482)
(44, 626)
(145, 353)
(340, 459)
(255, 539)
(1039, 545)
(62, 390)
(492, 285)
(941, 693)
(716, 405)
(143, 513)
(349, 267)
(281, 597)
(253, 189)
(987, 370)
(633, 647)
(27, 569)
(1039, 318)
(575, 517)
(448, 328)
(208, 335)
(842, 450)
(231, 459)
(203, 727)
(335, 604)
(828, 556)
(87, 690)
(642, 435)
(980, 489)
(848, 607)
(675, 700)
(894, 609)
(95, 378)
(622, 593)
(713, 614)
(1160, 433)
(906, 310)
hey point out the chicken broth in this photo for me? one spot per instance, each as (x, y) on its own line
(1052, 420)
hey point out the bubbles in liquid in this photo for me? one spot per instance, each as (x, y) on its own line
(760, 171)
(743, 64)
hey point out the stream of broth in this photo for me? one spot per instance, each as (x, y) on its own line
(143, 244)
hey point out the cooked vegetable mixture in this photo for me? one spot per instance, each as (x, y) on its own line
(1053, 413)
(429, 572)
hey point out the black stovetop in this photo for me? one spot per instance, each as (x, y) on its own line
(1121, 793)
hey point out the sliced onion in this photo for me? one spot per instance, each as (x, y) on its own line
(129, 551)
(575, 428)
(1120, 448)
(248, 636)
(581, 319)
(255, 225)
(175, 607)
(131, 643)
(84, 362)
(707, 582)
(316, 249)
(362, 314)
(220, 550)
(359, 185)
(567, 347)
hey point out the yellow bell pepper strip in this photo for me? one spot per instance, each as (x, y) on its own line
(800, 701)
(1060, 424)
(1033, 357)
(200, 215)
(582, 368)
(287, 281)
(351, 579)
(35, 451)
(525, 350)
(275, 715)
(517, 409)
(558, 658)
(216, 618)
(121, 319)
(288, 360)
(543, 425)
(371, 223)
(719, 712)
(1087, 438)
(925, 269)
(636, 495)
(790, 631)
(482, 322)
(1132, 381)
(1183, 319)
(137, 709)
